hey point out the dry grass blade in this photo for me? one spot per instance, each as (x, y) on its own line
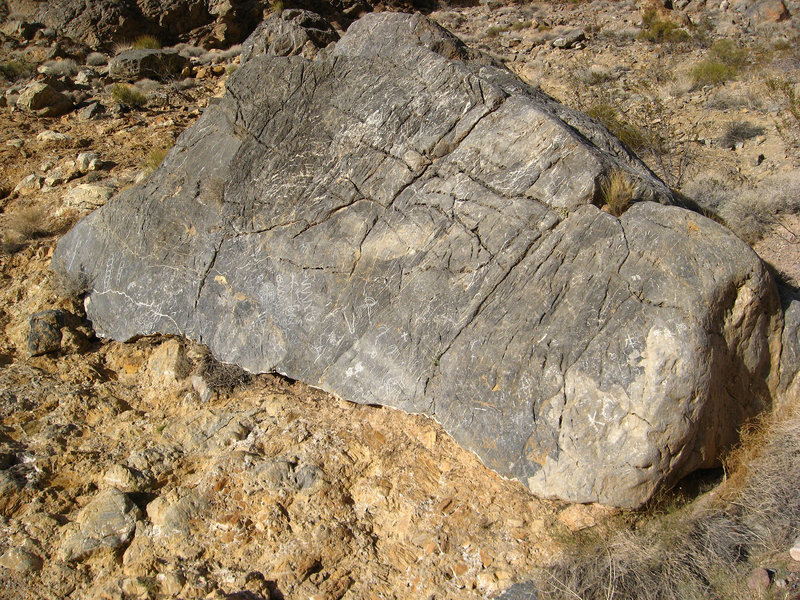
(617, 192)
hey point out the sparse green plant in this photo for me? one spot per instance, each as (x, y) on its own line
(12, 70)
(277, 6)
(520, 25)
(146, 42)
(727, 52)
(711, 72)
(616, 191)
(495, 30)
(657, 31)
(632, 136)
(155, 157)
(725, 60)
(128, 95)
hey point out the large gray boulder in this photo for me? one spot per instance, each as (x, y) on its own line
(402, 224)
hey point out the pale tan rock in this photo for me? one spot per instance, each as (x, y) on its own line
(794, 551)
(19, 559)
(168, 364)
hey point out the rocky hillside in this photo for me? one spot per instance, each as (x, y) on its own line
(148, 469)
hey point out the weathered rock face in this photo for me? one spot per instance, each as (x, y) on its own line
(289, 33)
(402, 224)
(105, 22)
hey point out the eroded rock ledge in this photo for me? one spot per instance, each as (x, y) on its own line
(401, 222)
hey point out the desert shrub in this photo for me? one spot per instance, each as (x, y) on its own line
(750, 212)
(146, 42)
(96, 59)
(657, 31)
(616, 192)
(740, 131)
(711, 72)
(695, 553)
(630, 135)
(12, 70)
(189, 51)
(23, 226)
(520, 25)
(277, 6)
(728, 53)
(128, 95)
(725, 60)
(67, 67)
(495, 30)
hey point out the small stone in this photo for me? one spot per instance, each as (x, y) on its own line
(45, 331)
(127, 480)
(201, 387)
(217, 70)
(88, 161)
(570, 39)
(19, 559)
(15, 143)
(85, 77)
(759, 580)
(794, 551)
(92, 111)
(29, 184)
(52, 136)
(172, 583)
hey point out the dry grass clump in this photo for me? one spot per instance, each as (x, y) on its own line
(96, 59)
(23, 226)
(155, 157)
(221, 377)
(128, 95)
(616, 192)
(66, 67)
(740, 131)
(750, 212)
(146, 42)
(784, 92)
(693, 554)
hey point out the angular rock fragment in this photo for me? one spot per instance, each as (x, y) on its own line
(108, 521)
(44, 100)
(153, 64)
(45, 331)
(402, 222)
